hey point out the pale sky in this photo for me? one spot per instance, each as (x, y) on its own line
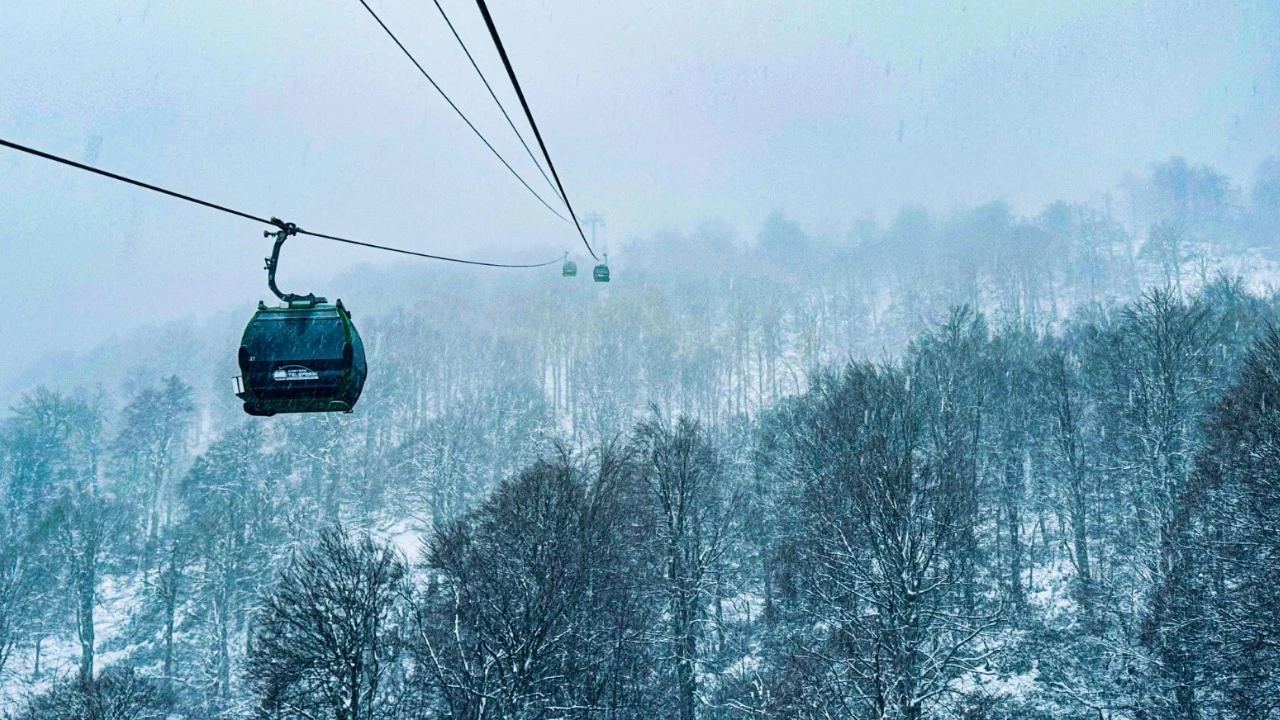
(659, 114)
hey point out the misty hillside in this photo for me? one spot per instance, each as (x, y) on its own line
(972, 465)
(783, 297)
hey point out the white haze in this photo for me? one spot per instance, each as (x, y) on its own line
(659, 114)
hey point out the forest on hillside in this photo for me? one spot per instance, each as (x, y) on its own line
(966, 466)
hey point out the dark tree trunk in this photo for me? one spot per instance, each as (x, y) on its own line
(88, 583)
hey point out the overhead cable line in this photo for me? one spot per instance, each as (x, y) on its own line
(457, 110)
(511, 73)
(348, 241)
(288, 227)
(494, 95)
(131, 181)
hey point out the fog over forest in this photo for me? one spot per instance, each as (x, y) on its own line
(841, 436)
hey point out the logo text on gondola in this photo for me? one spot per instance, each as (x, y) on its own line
(292, 373)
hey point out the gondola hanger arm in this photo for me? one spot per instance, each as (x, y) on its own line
(283, 233)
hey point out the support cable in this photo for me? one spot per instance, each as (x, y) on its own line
(457, 110)
(494, 95)
(511, 73)
(288, 227)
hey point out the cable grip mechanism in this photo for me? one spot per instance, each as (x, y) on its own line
(283, 233)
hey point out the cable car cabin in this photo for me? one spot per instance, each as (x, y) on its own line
(305, 357)
(601, 273)
(570, 269)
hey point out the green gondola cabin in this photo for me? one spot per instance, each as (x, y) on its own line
(300, 358)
